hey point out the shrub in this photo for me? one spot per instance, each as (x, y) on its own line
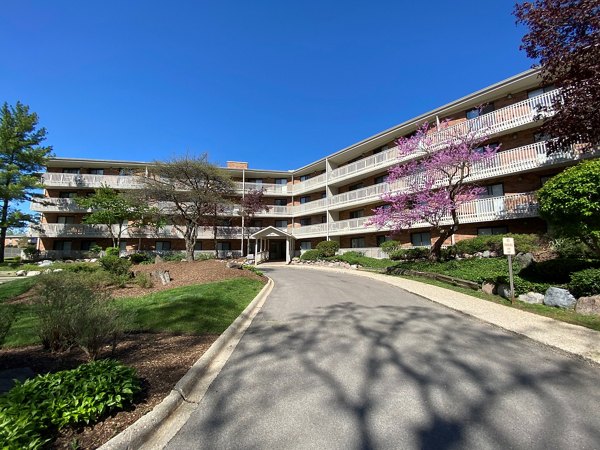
(389, 247)
(585, 283)
(32, 410)
(30, 251)
(112, 251)
(172, 256)
(138, 258)
(143, 280)
(570, 248)
(523, 243)
(95, 250)
(72, 311)
(253, 269)
(556, 270)
(523, 286)
(115, 265)
(311, 255)
(204, 256)
(328, 248)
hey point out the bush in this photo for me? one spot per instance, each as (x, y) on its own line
(143, 280)
(409, 254)
(172, 256)
(138, 258)
(205, 256)
(389, 247)
(72, 311)
(31, 411)
(328, 248)
(253, 269)
(523, 243)
(570, 248)
(523, 286)
(30, 251)
(115, 265)
(112, 251)
(585, 283)
(556, 270)
(310, 255)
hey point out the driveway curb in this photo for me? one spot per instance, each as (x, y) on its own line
(189, 390)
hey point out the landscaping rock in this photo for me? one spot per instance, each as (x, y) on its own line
(559, 297)
(93, 260)
(33, 273)
(588, 305)
(21, 273)
(158, 259)
(489, 288)
(504, 290)
(57, 270)
(532, 297)
(524, 259)
(354, 266)
(162, 275)
(45, 263)
(233, 265)
(486, 254)
(493, 254)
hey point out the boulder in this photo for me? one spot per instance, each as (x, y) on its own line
(158, 259)
(93, 260)
(559, 297)
(57, 270)
(233, 265)
(486, 254)
(354, 266)
(524, 259)
(489, 288)
(588, 305)
(21, 273)
(33, 273)
(45, 263)
(504, 290)
(532, 297)
(162, 275)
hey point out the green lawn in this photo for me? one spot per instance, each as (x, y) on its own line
(563, 315)
(15, 288)
(199, 309)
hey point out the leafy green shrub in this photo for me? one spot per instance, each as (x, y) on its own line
(204, 256)
(556, 270)
(311, 255)
(72, 311)
(30, 251)
(523, 243)
(523, 286)
(571, 248)
(137, 258)
(31, 411)
(253, 269)
(172, 256)
(95, 250)
(328, 248)
(115, 265)
(585, 283)
(389, 247)
(143, 280)
(112, 251)
(78, 267)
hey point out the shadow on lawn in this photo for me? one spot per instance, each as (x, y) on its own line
(398, 377)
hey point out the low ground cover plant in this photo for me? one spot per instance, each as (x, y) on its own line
(31, 412)
(525, 243)
(358, 258)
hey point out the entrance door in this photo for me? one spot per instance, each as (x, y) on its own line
(276, 250)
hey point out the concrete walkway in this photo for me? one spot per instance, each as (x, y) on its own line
(336, 360)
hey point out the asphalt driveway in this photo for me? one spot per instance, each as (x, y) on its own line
(337, 361)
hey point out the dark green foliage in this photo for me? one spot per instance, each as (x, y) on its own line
(115, 265)
(138, 258)
(71, 311)
(143, 280)
(571, 248)
(31, 412)
(361, 260)
(523, 286)
(253, 269)
(585, 283)
(556, 270)
(524, 243)
(7, 317)
(328, 248)
(15, 288)
(390, 247)
(311, 255)
(172, 256)
(112, 251)
(409, 254)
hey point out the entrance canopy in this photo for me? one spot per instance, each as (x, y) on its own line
(261, 243)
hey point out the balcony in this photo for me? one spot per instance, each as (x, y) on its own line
(67, 231)
(48, 204)
(309, 185)
(504, 119)
(510, 206)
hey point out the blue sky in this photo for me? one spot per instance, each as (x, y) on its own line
(278, 84)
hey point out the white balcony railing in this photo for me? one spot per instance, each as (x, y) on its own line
(311, 183)
(57, 205)
(509, 206)
(166, 232)
(503, 119)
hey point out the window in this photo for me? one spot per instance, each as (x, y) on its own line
(198, 246)
(323, 194)
(358, 242)
(357, 214)
(420, 239)
(163, 246)
(540, 91)
(224, 246)
(493, 146)
(381, 179)
(356, 186)
(281, 181)
(480, 111)
(382, 239)
(280, 202)
(304, 177)
(63, 246)
(256, 223)
(67, 194)
(323, 218)
(281, 224)
(96, 171)
(304, 200)
(489, 231)
(65, 219)
(86, 245)
(541, 137)
(76, 171)
(305, 221)
(256, 180)
(493, 190)
(305, 245)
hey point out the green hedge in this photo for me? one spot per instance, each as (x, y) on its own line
(311, 255)
(523, 243)
(328, 248)
(31, 412)
(585, 283)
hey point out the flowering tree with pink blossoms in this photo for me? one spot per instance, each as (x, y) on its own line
(432, 182)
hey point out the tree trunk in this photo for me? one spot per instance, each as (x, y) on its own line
(435, 253)
(190, 241)
(3, 229)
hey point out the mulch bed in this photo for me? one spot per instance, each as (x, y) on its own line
(160, 359)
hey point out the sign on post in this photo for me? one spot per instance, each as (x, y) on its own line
(508, 248)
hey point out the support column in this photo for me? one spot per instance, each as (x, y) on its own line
(288, 258)
(256, 252)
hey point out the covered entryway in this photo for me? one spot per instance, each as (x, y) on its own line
(272, 244)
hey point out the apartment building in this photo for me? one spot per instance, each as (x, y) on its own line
(332, 198)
